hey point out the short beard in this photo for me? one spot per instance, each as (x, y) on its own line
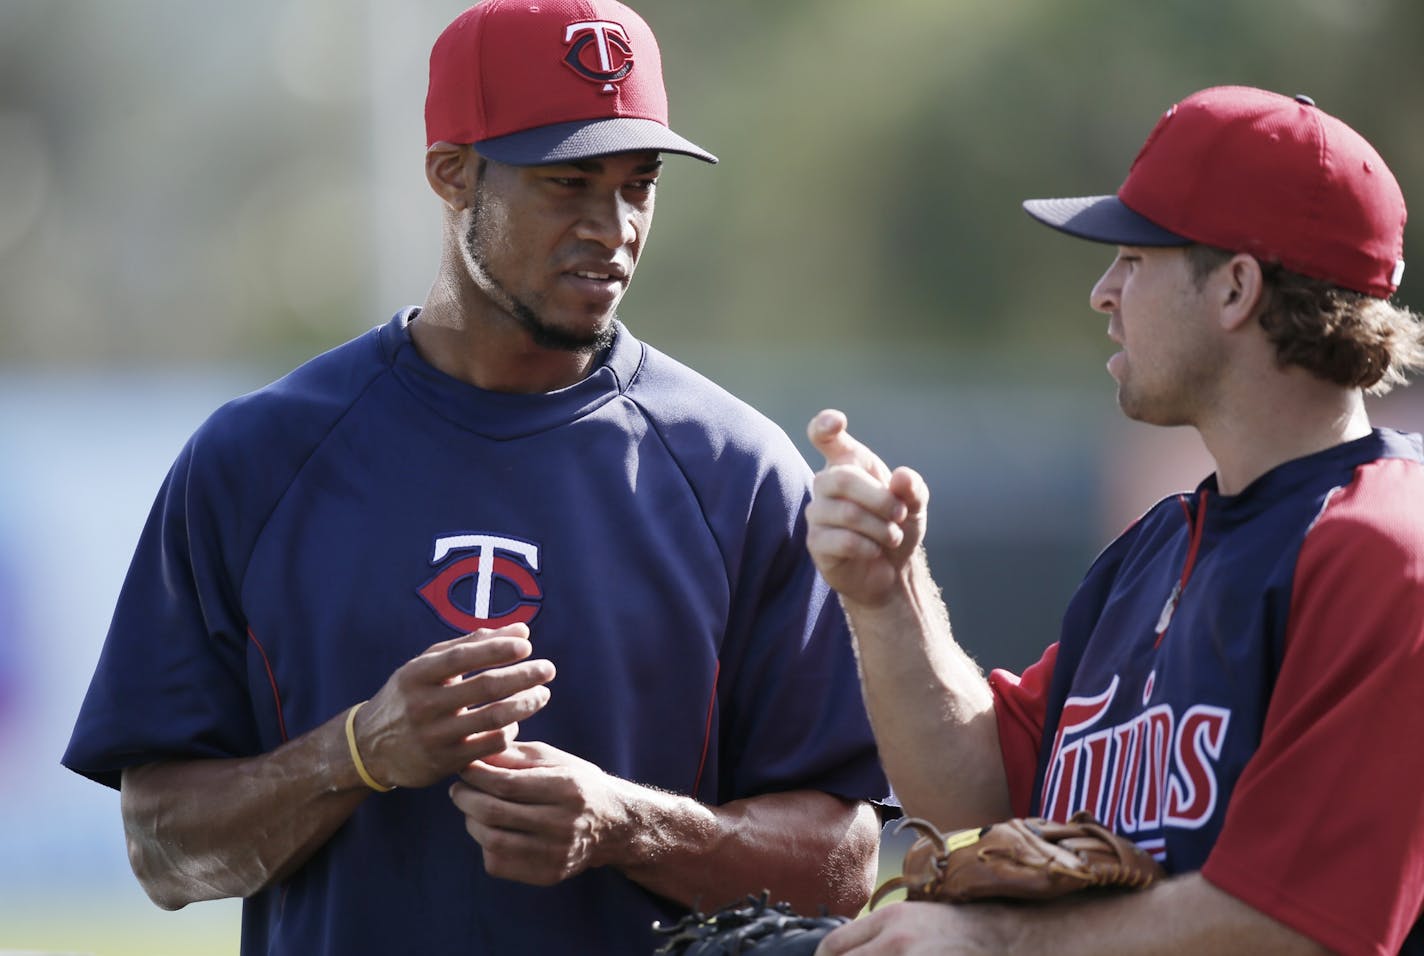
(544, 335)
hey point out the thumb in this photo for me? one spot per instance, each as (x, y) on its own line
(827, 431)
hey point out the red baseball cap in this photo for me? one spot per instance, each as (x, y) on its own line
(530, 82)
(1257, 172)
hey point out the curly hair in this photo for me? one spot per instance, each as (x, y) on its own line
(1349, 338)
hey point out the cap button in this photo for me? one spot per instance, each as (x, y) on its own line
(1302, 98)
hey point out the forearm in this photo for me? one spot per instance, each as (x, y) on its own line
(1183, 915)
(929, 705)
(805, 847)
(210, 829)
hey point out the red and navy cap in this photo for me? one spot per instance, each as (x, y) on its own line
(530, 82)
(1257, 172)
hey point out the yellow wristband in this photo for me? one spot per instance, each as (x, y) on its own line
(356, 754)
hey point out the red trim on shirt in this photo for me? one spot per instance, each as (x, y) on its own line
(707, 734)
(1020, 710)
(272, 680)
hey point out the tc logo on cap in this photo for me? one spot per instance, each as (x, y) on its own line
(615, 56)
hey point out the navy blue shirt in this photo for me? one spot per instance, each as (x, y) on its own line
(1236, 689)
(316, 534)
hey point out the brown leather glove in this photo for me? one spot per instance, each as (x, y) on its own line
(1027, 858)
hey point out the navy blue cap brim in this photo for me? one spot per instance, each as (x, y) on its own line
(585, 139)
(1101, 219)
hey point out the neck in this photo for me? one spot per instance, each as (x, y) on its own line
(463, 334)
(1293, 415)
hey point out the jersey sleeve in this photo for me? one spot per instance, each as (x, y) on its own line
(786, 711)
(1325, 829)
(794, 715)
(1020, 709)
(170, 680)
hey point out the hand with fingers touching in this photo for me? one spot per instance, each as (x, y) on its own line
(865, 522)
(542, 815)
(865, 529)
(457, 702)
(247, 823)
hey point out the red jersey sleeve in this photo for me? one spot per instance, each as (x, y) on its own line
(1325, 829)
(1020, 706)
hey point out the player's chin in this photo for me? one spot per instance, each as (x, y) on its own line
(583, 317)
(1130, 407)
(576, 331)
(594, 335)
(1141, 409)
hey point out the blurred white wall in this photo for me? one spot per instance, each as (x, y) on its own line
(81, 458)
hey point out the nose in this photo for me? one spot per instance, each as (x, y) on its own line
(610, 220)
(1107, 291)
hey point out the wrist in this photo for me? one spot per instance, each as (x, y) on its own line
(895, 599)
(353, 749)
(655, 823)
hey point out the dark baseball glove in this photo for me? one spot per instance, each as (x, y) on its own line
(1027, 858)
(751, 926)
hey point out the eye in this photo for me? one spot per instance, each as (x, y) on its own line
(568, 182)
(642, 186)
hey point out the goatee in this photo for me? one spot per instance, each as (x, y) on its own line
(544, 335)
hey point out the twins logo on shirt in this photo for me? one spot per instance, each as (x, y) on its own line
(486, 581)
(1156, 769)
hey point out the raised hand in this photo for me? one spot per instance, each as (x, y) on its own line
(865, 521)
(458, 701)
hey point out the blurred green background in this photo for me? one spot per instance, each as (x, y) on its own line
(196, 196)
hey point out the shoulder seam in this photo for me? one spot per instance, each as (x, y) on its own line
(297, 471)
(653, 427)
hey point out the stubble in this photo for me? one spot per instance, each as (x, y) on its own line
(544, 334)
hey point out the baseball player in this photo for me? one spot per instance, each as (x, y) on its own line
(492, 630)
(1227, 689)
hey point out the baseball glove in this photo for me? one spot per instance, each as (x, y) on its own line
(751, 926)
(1028, 858)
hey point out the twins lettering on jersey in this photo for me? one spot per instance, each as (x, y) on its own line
(611, 56)
(484, 581)
(1158, 769)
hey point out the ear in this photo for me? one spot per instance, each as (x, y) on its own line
(1238, 286)
(451, 169)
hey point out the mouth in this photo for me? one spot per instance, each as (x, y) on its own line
(1116, 365)
(1116, 362)
(599, 270)
(603, 283)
